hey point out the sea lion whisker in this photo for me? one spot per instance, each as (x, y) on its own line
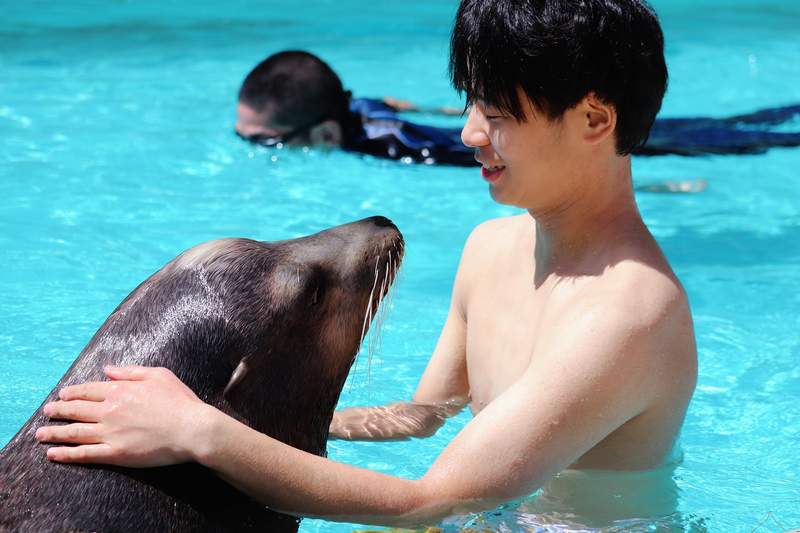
(368, 312)
(374, 331)
(378, 307)
(370, 341)
(381, 312)
(389, 290)
(367, 317)
(382, 306)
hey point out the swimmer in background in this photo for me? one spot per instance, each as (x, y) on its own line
(295, 98)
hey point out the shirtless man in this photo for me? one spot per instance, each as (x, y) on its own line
(568, 334)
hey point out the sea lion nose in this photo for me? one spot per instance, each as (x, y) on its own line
(382, 222)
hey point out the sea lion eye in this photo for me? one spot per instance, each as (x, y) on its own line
(316, 295)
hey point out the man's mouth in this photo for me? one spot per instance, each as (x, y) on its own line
(492, 173)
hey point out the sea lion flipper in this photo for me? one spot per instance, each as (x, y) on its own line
(238, 375)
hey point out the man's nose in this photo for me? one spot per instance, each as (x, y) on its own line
(474, 132)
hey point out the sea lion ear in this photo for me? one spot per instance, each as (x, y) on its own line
(238, 375)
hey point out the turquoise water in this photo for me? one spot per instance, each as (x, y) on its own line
(117, 152)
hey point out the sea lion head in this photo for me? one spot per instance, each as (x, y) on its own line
(288, 318)
(264, 331)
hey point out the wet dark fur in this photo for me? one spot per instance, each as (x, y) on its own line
(230, 310)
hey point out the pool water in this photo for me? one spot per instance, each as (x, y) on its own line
(117, 152)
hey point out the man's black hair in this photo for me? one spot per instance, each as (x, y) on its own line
(559, 51)
(296, 89)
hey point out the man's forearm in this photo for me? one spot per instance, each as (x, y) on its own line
(397, 421)
(410, 107)
(295, 482)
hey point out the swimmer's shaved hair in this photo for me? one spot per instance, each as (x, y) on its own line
(296, 88)
(559, 51)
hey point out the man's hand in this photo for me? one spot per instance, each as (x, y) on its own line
(143, 417)
(399, 105)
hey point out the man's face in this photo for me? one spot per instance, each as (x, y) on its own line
(527, 164)
(260, 128)
(254, 125)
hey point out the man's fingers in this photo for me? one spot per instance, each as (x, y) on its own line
(90, 453)
(93, 392)
(70, 434)
(77, 410)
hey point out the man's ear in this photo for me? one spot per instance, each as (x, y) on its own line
(599, 119)
(327, 133)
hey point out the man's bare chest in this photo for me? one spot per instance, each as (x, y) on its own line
(504, 321)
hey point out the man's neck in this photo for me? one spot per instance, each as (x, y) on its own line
(569, 233)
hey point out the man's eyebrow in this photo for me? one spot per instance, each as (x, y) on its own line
(484, 105)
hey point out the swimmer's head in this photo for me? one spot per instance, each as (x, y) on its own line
(292, 97)
(558, 52)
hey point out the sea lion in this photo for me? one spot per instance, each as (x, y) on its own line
(264, 331)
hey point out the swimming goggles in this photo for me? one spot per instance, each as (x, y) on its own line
(272, 141)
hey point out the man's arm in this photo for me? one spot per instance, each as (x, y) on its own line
(595, 372)
(396, 421)
(590, 379)
(409, 107)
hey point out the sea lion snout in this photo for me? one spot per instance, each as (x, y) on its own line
(344, 247)
(347, 258)
(340, 275)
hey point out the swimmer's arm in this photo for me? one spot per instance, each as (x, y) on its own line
(409, 107)
(593, 378)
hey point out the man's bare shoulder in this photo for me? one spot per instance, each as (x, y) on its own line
(639, 304)
(648, 291)
(497, 235)
(490, 244)
(489, 230)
